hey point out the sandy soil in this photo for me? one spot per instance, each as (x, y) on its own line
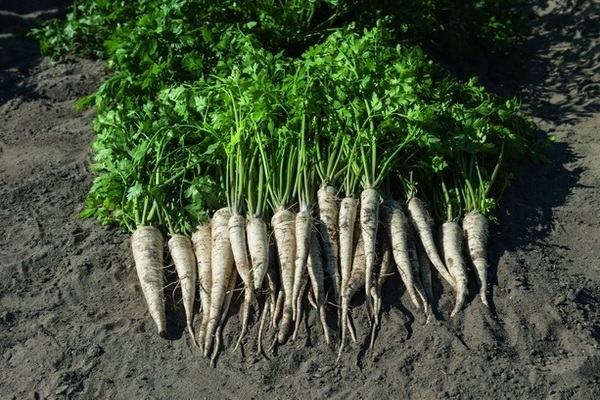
(73, 323)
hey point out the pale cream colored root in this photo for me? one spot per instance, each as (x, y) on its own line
(258, 247)
(201, 241)
(475, 228)
(369, 222)
(182, 254)
(237, 237)
(329, 229)
(422, 222)
(147, 246)
(222, 271)
(452, 248)
(283, 223)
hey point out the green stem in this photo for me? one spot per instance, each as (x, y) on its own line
(496, 168)
(447, 202)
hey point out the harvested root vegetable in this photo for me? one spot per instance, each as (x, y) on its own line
(182, 254)
(369, 221)
(317, 280)
(347, 219)
(201, 240)
(422, 222)
(272, 279)
(237, 238)
(420, 280)
(385, 251)
(224, 310)
(283, 223)
(278, 310)
(261, 327)
(147, 246)
(452, 249)
(397, 228)
(347, 222)
(424, 267)
(475, 228)
(258, 247)
(304, 223)
(355, 282)
(222, 269)
(270, 302)
(328, 229)
(298, 306)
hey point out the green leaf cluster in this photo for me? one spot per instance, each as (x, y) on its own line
(454, 28)
(255, 104)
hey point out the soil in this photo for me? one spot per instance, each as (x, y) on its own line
(73, 324)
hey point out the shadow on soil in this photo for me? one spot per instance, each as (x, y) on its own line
(18, 52)
(556, 73)
(564, 69)
(557, 68)
(559, 73)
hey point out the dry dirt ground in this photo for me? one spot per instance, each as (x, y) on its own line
(73, 324)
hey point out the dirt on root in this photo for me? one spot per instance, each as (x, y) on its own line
(73, 323)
